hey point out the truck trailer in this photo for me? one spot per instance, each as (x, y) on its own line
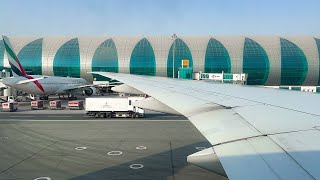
(113, 107)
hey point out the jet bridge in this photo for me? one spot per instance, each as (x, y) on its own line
(4, 90)
(222, 77)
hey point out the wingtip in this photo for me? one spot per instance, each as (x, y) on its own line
(93, 72)
(5, 38)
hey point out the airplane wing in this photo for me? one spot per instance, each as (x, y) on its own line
(81, 87)
(30, 80)
(72, 88)
(257, 133)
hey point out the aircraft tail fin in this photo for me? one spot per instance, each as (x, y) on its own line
(16, 67)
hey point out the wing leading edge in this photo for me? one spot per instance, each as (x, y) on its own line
(257, 133)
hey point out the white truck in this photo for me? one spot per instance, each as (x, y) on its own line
(113, 107)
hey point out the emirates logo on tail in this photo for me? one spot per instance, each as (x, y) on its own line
(14, 62)
(16, 67)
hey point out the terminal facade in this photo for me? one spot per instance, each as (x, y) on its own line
(268, 60)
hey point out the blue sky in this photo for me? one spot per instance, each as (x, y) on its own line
(159, 17)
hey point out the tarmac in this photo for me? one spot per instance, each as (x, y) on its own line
(64, 144)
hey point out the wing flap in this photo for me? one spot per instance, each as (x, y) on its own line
(258, 158)
(270, 119)
(303, 147)
(223, 125)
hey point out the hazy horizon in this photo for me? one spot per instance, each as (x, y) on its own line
(161, 18)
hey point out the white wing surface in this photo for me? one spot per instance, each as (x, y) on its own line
(257, 133)
(30, 80)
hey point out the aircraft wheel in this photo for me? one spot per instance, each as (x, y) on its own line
(103, 115)
(44, 97)
(108, 115)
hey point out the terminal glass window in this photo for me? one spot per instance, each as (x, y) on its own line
(255, 63)
(217, 58)
(105, 59)
(67, 59)
(294, 66)
(318, 44)
(181, 52)
(1, 55)
(30, 57)
(143, 61)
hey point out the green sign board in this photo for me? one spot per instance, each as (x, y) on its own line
(204, 76)
(228, 76)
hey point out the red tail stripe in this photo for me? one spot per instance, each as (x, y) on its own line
(21, 68)
(36, 83)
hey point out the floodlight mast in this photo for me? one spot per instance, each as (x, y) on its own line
(174, 37)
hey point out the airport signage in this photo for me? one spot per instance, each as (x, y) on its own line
(212, 76)
(185, 63)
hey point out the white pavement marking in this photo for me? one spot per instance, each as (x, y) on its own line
(59, 116)
(114, 153)
(21, 116)
(87, 120)
(136, 166)
(141, 147)
(43, 178)
(80, 148)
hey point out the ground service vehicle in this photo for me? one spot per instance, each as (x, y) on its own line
(113, 107)
(39, 104)
(75, 105)
(9, 106)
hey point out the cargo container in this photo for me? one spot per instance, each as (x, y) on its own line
(55, 104)
(9, 106)
(37, 104)
(75, 105)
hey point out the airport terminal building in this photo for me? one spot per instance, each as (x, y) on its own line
(268, 60)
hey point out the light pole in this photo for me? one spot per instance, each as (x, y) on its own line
(174, 37)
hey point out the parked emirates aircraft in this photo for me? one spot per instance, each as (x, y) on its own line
(42, 85)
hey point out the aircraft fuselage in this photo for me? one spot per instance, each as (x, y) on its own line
(47, 86)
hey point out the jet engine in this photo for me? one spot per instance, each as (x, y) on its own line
(90, 91)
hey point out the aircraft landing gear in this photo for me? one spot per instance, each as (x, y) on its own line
(71, 96)
(44, 98)
(32, 97)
